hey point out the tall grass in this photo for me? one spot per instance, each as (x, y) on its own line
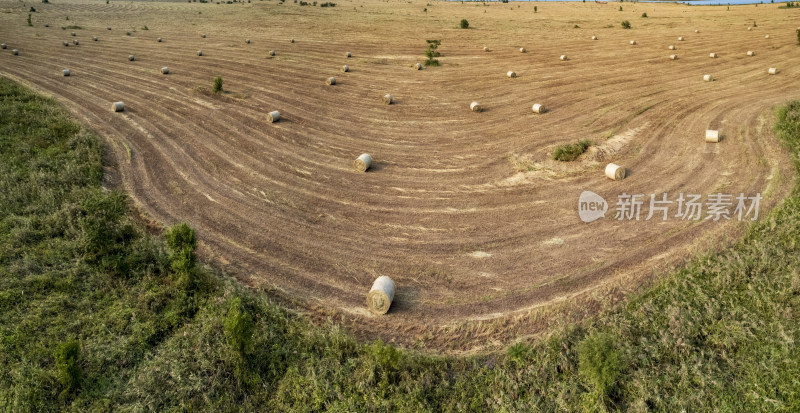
(91, 328)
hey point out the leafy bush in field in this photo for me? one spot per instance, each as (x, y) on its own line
(626, 24)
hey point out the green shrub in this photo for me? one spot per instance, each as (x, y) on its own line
(570, 152)
(431, 52)
(644, 15)
(535, 9)
(626, 24)
(599, 362)
(464, 24)
(238, 327)
(29, 20)
(181, 244)
(218, 84)
(69, 373)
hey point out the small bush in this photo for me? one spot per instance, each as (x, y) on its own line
(570, 152)
(620, 8)
(181, 243)
(599, 362)
(218, 84)
(29, 20)
(145, 27)
(644, 15)
(464, 24)
(238, 327)
(32, 10)
(626, 24)
(431, 52)
(69, 373)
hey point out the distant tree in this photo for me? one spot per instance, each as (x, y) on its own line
(218, 84)
(464, 24)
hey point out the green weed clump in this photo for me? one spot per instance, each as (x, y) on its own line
(625, 24)
(464, 24)
(570, 152)
(431, 53)
(218, 84)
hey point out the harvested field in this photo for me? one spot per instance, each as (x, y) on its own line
(475, 224)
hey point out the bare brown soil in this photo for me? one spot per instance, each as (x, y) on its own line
(465, 211)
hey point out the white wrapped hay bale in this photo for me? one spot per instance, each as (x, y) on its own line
(749, 28)
(512, 74)
(712, 136)
(349, 55)
(380, 296)
(158, 40)
(165, 70)
(712, 55)
(671, 47)
(66, 44)
(74, 34)
(272, 53)
(563, 57)
(387, 99)
(130, 58)
(773, 71)
(15, 52)
(273, 116)
(247, 41)
(475, 107)
(538, 108)
(292, 39)
(75, 41)
(615, 172)
(94, 38)
(331, 81)
(594, 37)
(707, 78)
(633, 42)
(203, 35)
(696, 31)
(66, 72)
(363, 162)
(3, 46)
(751, 53)
(117, 106)
(766, 37)
(345, 68)
(673, 57)
(485, 49)
(418, 66)
(199, 52)
(522, 50)
(680, 39)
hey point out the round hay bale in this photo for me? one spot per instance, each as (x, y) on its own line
(158, 40)
(273, 116)
(749, 28)
(363, 162)
(475, 107)
(3, 46)
(75, 41)
(74, 34)
(203, 35)
(538, 108)
(272, 53)
(108, 28)
(66, 72)
(633, 42)
(331, 81)
(712, 136)
(772, 71)
(199, 52)
(117, 106)
(485, 49)
(63, 28)
(418, 66)
(671, 47)
(94, 38)
(594, 37)
(15, 52)
(349, 54)
(766, 37)
(247, 41)
(46, 25)
(387, 99)
(563, 57)
(512, 74)
(707, 78)
(712, 55)
(130, 58)
(751, 53)
(522, 50)
(696, 31)
(66, 44)
(673, 57)
(380, 296)
(165, 70)
(615, 172)
(292, 39)
(345, 68)
(127, 33)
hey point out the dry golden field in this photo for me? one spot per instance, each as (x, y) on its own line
(465, 211)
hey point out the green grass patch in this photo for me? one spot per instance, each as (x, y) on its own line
(133, 324)
(571, 151)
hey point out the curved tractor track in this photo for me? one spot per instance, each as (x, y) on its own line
(465, 211)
